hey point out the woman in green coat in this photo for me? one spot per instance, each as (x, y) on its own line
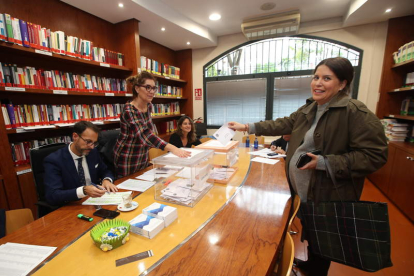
(341, 128)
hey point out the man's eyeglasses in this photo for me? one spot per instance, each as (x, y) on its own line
(150, 88)
(89, 142)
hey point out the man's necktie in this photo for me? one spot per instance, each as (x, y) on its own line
(81, 172)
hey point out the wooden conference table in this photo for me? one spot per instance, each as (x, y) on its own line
(236, 229)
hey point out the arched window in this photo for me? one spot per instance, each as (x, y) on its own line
(267, 79)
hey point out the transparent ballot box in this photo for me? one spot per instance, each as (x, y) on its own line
(225, 157)
(183, 181)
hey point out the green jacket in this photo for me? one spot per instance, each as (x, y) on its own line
(346, 128)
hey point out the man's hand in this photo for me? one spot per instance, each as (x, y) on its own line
(237, 126)
(92, 191)
(273, 147)
(109, 186)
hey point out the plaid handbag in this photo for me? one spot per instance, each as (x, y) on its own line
(355, 234)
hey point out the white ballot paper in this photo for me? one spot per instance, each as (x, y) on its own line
(153, 174)
(136, 185)
(106, 199)
(193, 152)
(224, 134)
(264, 152)
(19, 259)
(265, 160)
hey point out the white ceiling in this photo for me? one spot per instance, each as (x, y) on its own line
(187, 20)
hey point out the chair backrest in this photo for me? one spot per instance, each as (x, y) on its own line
(296, 205)
(154, 152)
(201, 129)
(205, 139)
(284, 267)
(37, 155)
(17, 218)
(252, 137)
(107, 140)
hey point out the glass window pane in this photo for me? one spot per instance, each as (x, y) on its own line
(290, 93)
(236, 100)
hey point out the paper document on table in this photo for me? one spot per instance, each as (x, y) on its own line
(193, 152)
(153, 174)
(217, 144)
(19, 259)
(221, 173)
(265, 160)
(224, 134)
(136, 185)
(106, 199)
(265, 152)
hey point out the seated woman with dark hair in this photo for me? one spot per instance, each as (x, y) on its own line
(185, 135)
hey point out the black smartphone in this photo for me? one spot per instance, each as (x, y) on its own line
(104, 213)
(272, 154)
(305, 159)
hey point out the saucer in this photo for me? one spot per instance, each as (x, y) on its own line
(133, 207)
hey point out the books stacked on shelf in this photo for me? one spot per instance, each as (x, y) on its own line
(167, 127)
(404, 53)
(166, 109)
(34, 36)
(160, 69)
(395, 131)
(168, 90)
(20, 151)
(36, 116)
(30, 77)
(407, 107)
(409, 80)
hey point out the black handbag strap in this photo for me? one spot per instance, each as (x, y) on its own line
(332, 176)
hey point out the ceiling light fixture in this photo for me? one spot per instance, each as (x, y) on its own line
(214, 16)
(388, 10)
(162, 29)
(120, 5)
(267, 6)
(188, 43)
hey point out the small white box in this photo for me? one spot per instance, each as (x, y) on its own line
(146, 226)
(161, 211)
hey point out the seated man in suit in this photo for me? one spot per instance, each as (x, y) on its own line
(73, 172)
(280, 145)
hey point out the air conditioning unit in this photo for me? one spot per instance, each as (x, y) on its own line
(276, 25)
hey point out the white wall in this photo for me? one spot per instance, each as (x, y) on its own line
(370, 38)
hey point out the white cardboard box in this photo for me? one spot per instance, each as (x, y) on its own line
(146, 226)
(161, 211)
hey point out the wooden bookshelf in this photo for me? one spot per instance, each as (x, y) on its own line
(395, 178)
(64, 92)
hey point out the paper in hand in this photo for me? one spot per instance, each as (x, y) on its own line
(224, 134)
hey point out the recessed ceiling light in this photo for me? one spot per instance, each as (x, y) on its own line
(214, 16)
(162, 29)
(120, 5)
(267, 6)
(188, 43)
(388, 10)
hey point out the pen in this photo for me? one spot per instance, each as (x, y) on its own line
(99, 187)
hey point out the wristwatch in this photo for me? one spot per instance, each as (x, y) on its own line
(84, 190)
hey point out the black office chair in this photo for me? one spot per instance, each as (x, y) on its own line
(201, 129)
(107, 140)
(37, 155)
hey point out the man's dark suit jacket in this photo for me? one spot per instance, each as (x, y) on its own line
(61, 177)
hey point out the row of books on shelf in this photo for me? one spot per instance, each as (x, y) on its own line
(395, 131)
(20, 151)
(34, 36)
(32, 116)
(409, 80)
(158, 68)
(164, 109)
(168, 90)
(407, 107)
(167, 127)
(30, 77)
(404, 53)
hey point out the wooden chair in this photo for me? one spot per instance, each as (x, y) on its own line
(153, 152)
(296, 206)
(16, 219)
(284, 266)
(252, 137)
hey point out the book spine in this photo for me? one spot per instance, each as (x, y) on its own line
(9, 28)
(3, 33)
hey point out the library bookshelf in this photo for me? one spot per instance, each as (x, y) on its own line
(395, 178)
(17, 188)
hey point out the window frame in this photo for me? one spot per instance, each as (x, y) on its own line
(272, 75)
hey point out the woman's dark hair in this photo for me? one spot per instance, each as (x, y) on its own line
(342, 69)
(191, 135)
(139, 80)
(81, 126)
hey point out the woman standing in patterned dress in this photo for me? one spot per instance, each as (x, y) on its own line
(137, 130)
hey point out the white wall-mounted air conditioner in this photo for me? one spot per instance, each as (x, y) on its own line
(276, 25)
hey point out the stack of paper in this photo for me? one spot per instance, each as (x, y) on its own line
(221, 173)
(106, 199)
(153, 174)
(395, 131)
(182, 191)
(265, 152)
(19, 259)
(136, 185)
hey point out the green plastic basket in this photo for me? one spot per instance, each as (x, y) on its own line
(102, 227)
